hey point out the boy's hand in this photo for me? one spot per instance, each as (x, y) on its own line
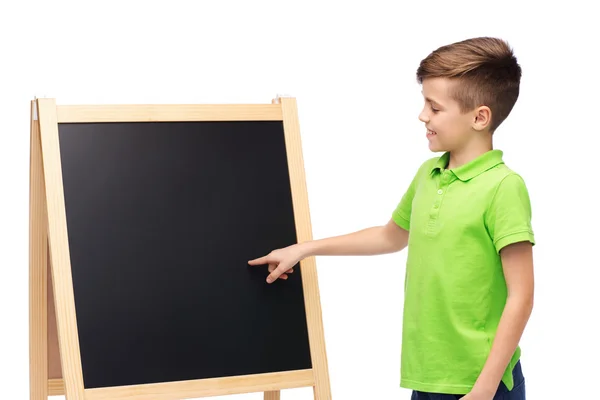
(478, 395)
(280, 262)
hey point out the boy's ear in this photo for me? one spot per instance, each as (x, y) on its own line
(482, 119)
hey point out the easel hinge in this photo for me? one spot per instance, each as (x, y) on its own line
(280, 96)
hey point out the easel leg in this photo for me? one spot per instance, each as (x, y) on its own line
(55, 378)
(274, 395)
(310, 284)
(38, 269)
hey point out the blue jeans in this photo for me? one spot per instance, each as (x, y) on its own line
(517, 393)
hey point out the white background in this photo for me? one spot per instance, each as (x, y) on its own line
(351, 66)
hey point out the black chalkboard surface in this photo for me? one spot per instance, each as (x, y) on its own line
(162, 218)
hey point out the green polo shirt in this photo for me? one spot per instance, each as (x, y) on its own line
(455, 290)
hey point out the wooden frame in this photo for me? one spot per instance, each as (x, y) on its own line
(53, 321)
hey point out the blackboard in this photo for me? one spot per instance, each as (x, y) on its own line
(162, 218)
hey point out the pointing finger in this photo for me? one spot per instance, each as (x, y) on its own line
(259, 261)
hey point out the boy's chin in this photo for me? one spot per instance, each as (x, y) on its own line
(436, 149)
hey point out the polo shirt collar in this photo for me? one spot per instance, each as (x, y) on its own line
(474, 167)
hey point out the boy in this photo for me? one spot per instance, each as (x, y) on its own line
(469, 273)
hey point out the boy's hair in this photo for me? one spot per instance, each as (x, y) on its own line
(485, 70)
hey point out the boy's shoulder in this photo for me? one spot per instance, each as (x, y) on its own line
(503, 174)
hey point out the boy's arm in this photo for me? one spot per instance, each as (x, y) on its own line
(508, 221)
(517, 263)
(376, 240)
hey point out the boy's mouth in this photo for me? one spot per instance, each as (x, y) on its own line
(430, 132)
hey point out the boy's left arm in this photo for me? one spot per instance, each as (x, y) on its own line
(517, 263)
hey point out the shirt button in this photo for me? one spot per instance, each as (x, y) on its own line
(440, 191)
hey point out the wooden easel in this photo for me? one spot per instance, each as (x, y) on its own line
(44, 355)
(55, 365)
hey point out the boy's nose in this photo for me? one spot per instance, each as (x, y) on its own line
(423, 117)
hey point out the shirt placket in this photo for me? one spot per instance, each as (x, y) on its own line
(443, 182)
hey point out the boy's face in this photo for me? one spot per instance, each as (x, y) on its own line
(447, 128)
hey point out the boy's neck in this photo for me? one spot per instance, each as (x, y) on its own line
(462, 156)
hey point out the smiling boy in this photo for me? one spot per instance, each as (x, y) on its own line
(466, 221)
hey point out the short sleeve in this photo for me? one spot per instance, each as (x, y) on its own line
(401, 214)
(508, 218)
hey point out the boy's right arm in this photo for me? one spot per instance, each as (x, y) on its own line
(388, 238)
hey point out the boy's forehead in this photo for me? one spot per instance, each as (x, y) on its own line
(437, 86)
(436, 89)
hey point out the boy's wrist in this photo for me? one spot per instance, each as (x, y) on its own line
(305, 249)
(484, 391)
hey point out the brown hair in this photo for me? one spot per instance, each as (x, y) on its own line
(485, 70)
